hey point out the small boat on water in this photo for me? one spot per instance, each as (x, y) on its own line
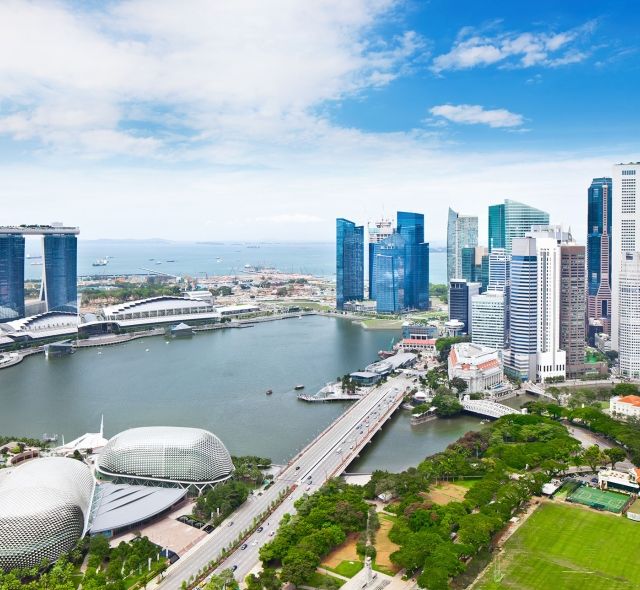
(100, 262)
(269, 391)
(298, 387)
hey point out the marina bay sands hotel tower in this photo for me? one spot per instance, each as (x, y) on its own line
(60, 268)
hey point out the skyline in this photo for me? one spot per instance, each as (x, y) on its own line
(313, 112)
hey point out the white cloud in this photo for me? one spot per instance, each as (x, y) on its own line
(472, 49)
(468, 114)
(193, 72)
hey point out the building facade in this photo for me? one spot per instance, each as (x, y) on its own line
(460, 297)
(625, 233)
(462, 232)
(474, 265)
(60, 280)
(349, 262)
(378, 231)
(11, 277)
(479, 366)
(629, 316)
(401, 267)
(627, 406)
(572, 307)
(488, 320)
(512, 220)
(598, 277)
(499, 267)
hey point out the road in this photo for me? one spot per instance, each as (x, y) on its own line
(325, 457)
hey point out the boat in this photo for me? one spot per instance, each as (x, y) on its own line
(385, 354)
(269, 391)
(298, 387)
(158, 261)
(170, 260)
(100, 262)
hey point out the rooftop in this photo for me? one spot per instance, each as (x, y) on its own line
(39, 230)
(634, 400)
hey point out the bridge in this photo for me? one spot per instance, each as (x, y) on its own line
(487, 408)
(327, 456)
(536, 389)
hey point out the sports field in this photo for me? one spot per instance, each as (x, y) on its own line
(600, 499)
(563, 547)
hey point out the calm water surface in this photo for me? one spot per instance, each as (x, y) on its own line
(217, 381)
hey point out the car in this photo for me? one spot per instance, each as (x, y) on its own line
(297, 467)
(260, 529)
(231, 523)
(243, 546)
(272, 533)
(234, 568)
(308, 488)
(594, 480)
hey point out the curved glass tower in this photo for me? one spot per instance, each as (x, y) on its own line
(59, 283)
(11, 277)
(349, 262)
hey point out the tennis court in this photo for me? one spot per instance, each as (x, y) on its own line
(599, 499)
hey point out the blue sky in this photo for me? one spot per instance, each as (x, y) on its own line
(266, 120)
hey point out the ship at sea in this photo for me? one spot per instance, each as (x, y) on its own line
(100, 262)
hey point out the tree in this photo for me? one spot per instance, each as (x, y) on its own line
(446, 403)
(459, 384)
(222, 581)
(615, 455)
(593, 457)
(298, 566)
(622, 389)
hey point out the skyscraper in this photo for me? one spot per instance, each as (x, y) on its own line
(460, 297)
(59, 282)
(389, 274)
(599, 252)
(488, 319)
(401, 264)
(462, 232)
(629, 315)
(499, 263)
(625, 233)
(572, 307)
(11, 276)
(512, 220)
(349, 262)
(520, 361)
(471, 269)
(378, 231)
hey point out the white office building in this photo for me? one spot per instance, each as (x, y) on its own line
(625, 233)
(488, 321)
(628, 315)
(462, 232)
(627, 406)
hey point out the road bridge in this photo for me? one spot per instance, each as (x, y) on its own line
(487, 408)
(327, 456)
(535, 389)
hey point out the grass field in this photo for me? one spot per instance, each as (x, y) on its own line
(611, 501)
(348, 569)
(447, 492)
(562, 547)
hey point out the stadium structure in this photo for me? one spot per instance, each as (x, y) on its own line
(165, 456)
(44, 510)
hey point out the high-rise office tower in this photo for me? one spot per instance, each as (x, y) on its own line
(411, 227)
(523, 310)
(378, 231)
(512, 220)
(599, 252)
(460, 297)
(389, 274)
(462, 232)
(572, 307)
(471, 269)
(629, 315)
(11, 276)
(59, 282)
(488, 319)
(499, 262)
(349, 262)
(496, 227)
(625, 232)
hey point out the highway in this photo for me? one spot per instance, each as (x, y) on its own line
(325, 457)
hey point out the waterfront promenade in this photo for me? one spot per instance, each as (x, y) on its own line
(327, 456)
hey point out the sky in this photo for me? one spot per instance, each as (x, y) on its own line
(253, 120)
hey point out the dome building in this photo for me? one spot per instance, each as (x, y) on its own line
(44, 510)
(166, 456)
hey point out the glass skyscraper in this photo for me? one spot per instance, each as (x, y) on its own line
(59, 283)
(400, 268)
(349, 262)
(462, 232)
(11, 277)
(512, 220)
(599, 251)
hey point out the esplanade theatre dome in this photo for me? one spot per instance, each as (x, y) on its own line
(169, 455)
(44, 508)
